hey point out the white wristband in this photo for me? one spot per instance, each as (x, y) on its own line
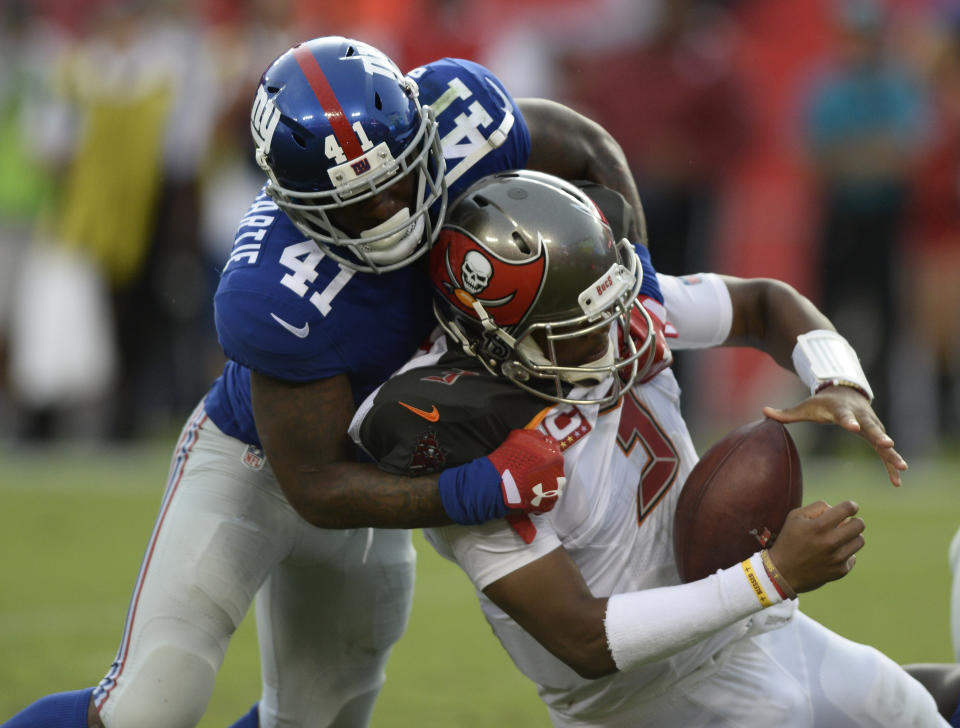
(652, 624)
(822, 358)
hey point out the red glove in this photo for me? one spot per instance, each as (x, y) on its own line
(662, 356)
(531, 469)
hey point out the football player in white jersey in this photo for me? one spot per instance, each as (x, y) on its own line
(325, 294)
(535, 297)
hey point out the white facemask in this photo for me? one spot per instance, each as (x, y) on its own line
(397, 246)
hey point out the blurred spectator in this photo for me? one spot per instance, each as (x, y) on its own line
(30, 142)
(865, 126)
(139, 90)
(931, 359)
(673, 101)
(244, 39)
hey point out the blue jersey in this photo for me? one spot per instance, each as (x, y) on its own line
(285, 309)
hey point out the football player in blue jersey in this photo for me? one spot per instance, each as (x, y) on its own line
(324, 295)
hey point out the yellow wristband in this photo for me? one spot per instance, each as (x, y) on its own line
(755, 583)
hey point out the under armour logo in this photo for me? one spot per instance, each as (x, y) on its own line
(540, 494)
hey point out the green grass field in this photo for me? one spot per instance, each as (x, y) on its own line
(73, 525)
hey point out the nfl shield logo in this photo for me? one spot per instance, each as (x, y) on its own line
(253, 458)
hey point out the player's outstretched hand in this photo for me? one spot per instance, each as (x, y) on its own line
(848, 408)
(818, 544)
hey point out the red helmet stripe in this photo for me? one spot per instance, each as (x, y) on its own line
(328, 100)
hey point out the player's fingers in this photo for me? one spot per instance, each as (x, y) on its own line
(813, 510)
(845, 557)
(850, 546)
(806, 411)
(848, 530)
(836, 515)
(890, 455)
(844, 416)
(894, 464)
(874, 431)
(894, 475)
(776, 414)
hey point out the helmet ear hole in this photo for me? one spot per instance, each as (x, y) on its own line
(521, 243)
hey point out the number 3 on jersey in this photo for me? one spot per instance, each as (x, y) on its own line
(302, 260)
(637, 425)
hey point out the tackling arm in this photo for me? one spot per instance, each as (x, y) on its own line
(303, 428)
(567, 144)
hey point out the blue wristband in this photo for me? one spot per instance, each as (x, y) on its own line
(650, 286)
(471, 492)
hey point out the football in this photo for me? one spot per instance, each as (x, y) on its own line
(736, 499)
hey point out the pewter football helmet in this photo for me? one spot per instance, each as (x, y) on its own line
(526, 260)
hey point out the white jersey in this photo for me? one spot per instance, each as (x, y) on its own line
(625, 467)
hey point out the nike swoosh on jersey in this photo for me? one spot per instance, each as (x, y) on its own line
(432, 416)
(300, 332)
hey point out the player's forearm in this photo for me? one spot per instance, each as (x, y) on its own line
(769, 315)
(596, 637)
(653, 624)
(607, 165)
(358, 495)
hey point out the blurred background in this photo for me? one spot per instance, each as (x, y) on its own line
(815, 141)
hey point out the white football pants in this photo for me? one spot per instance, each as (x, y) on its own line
(955, 595)
(801, 675)
(330, 603)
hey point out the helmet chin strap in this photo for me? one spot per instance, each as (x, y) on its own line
(400, 244)
(393, 247)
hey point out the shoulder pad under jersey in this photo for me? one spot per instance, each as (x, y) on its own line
(481, 128)
(447, 414)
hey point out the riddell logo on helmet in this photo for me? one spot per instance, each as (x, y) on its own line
(604, 285)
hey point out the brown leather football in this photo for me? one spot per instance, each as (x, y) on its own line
(736, 499)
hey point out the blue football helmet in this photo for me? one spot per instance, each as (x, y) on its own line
(335, 123)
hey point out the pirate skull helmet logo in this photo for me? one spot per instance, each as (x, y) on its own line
(476, 272)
